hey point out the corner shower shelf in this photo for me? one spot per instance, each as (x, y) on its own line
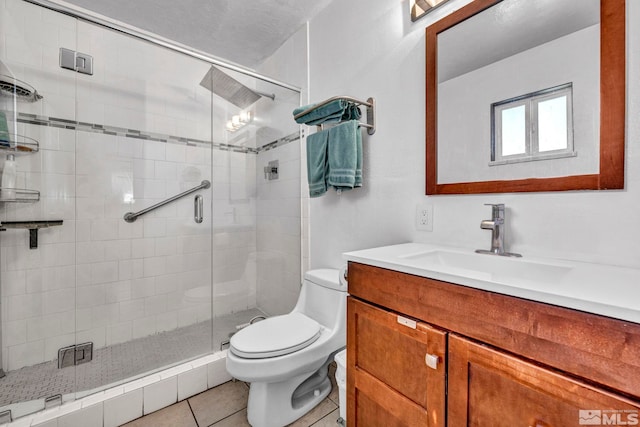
(32, 226)
(19, 144)
(20, 195)
(10, 86)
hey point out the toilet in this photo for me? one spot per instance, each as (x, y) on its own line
(285, 358)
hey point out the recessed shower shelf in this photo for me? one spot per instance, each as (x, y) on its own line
(18, 195)
(10, 86)
(19, 144)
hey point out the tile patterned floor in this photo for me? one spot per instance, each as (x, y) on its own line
(121, 361)
(226, 406)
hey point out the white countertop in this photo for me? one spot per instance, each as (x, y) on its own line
(595, 288)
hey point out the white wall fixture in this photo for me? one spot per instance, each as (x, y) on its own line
(424, 217)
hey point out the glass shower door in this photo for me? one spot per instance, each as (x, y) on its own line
(37, 282)
(143, 287)
(257, 211)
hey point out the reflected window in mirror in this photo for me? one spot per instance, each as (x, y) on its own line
(536, 126)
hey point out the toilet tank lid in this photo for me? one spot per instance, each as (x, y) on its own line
(326, 277)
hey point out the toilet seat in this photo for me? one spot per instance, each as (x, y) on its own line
(275, 336)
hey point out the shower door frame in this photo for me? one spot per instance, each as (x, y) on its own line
(155, 39)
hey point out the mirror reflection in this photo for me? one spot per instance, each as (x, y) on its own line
(496, 95)
(514, 95)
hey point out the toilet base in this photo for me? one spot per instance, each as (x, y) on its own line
(281, 403)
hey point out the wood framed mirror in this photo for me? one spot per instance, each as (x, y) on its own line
(603, 122)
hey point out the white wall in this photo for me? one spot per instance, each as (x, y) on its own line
(370, 48)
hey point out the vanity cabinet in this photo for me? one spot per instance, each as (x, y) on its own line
(501, 360)
(488, 387)
(392, 387)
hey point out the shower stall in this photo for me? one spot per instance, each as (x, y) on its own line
(155, 203)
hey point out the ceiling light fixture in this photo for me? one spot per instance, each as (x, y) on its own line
(239, 121)
(419, 8)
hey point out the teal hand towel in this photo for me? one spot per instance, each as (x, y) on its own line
(343, 155)
(317, 163)
(332, 112)
(4, 128)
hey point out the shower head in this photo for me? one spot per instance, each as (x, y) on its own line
(230, 89)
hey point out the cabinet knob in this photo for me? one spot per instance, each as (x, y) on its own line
(538, 423)
(432, 360)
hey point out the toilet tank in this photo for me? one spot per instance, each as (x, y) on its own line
(323, 297)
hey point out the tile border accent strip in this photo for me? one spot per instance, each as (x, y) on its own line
(34, 119)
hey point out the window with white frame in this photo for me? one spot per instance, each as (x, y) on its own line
(536, 126)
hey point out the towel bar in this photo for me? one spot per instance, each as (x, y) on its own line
(370, 103)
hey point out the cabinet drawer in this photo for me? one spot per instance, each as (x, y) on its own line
(387, 360)
(488, 387)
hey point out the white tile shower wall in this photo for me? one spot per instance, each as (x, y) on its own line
(234, 231)
(31, 37)
(40, 297)
(278, 231)
(282, 213)
(130, 278)
(386, 61)
(136, 85)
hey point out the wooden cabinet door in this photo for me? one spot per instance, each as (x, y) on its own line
(388, 380)
(491, 388)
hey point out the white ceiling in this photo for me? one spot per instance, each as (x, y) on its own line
(245, 32)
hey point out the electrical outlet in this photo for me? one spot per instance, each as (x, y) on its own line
(424, 217)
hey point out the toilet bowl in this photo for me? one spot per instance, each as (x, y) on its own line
(285, 358)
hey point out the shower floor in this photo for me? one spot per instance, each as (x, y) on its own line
(118, 362)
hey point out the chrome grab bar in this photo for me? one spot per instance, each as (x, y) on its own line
(132, 216)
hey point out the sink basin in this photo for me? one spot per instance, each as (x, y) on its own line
(487, 267)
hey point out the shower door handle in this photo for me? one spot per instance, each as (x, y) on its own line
(197, 209)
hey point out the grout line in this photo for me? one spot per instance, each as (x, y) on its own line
(228, 416)
(192, 413)
(327, 417)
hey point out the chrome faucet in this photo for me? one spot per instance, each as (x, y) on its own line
(496, 225)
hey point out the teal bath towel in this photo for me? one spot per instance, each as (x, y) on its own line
(4, 128)
(332, 112)
(345, 156)
(317, 163)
